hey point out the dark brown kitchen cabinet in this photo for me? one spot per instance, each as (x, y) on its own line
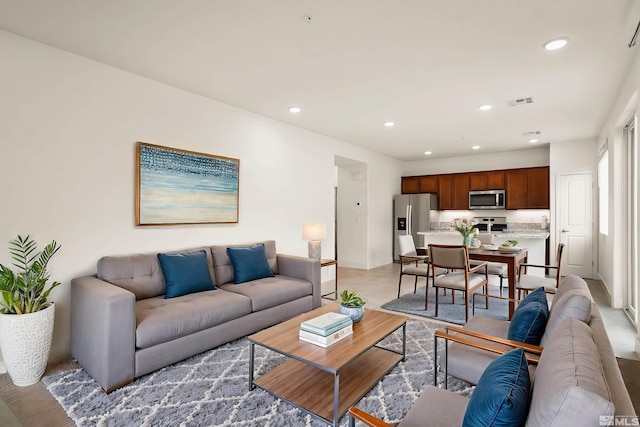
(527, 188)
(419, 184)
(516, 188)
(429, 184)
(410, 184)
(446, 191)
(453, 191)
(538, 188)
(461, 191)
(489, 180)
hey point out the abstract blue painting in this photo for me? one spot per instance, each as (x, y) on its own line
(183, 187)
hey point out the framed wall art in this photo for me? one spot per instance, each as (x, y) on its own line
(176, 186)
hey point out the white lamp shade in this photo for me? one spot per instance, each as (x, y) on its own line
(314, 231)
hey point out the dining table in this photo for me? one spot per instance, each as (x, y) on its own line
(512, 258)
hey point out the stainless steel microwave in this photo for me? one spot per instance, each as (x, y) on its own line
(489, 199)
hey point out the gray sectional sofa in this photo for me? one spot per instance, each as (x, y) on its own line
(123, 327)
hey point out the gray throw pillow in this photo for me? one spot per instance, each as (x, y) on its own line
(575, 303)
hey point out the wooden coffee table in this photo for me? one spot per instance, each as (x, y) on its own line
(325, 382)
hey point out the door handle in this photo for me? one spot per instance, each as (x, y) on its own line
(564, 231)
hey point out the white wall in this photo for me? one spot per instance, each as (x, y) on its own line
(611, 247)
(69, 127)
(480, 162)
(352, 216)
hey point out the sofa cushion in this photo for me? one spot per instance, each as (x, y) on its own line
(140, 274)
(249, 263)
(271, 291)
(540, 296)
(224, 268)
(574, 303)
(528, 322)
(569, 386)
(160, 320)
(185, 273)
(468, 363)
(501, 397)
(570, 283)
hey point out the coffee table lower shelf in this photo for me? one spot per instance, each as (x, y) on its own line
(312, 389)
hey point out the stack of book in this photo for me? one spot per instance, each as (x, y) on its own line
(326, 329)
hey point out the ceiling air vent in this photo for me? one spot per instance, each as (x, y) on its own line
(520, 101)
(532, 133)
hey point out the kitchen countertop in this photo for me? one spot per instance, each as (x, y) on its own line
(509, 234)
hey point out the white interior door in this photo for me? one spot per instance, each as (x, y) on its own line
(575, 223)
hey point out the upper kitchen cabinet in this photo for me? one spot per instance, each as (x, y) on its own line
(527, 188)
(410, 184)
(453, 191)
(488, 180)
(429, 184)
(419, 184)
(538, 188)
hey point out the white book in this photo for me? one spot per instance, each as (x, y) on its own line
(324, 323)
(325, 342)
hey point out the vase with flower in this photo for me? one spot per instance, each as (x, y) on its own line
(467, 228)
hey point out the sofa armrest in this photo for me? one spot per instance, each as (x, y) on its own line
(487, 345)
(103, 328)
(366, 418)
(305, 269)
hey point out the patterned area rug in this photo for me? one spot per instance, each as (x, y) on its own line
(211, 389)
(453, 313)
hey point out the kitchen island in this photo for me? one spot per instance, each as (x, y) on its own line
(533, 240)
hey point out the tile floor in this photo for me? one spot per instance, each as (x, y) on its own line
(380, 285)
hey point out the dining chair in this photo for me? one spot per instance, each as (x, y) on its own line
(528, 282)
(461, 277)
(494, 268)
(411, 264)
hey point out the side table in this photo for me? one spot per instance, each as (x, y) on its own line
(326, 263)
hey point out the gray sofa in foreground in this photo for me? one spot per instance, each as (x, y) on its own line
(122, 326)
(576, 381)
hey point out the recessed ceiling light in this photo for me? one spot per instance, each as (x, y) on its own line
(294, 109)
(555, 44)
(533, 141)
(485, 107)
(428, 153)
(389, 124)
(475, 147)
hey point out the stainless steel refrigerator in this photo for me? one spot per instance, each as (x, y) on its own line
(412, 213)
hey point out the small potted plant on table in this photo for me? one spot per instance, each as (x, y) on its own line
(26, 318)
(351, 305)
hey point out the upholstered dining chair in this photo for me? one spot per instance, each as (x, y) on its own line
(461, 276)
(528, 282)
(411, 264)
(499, 269)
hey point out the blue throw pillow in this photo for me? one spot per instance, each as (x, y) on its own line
(185, 273)
(529, 322)
(538, 295)
(249, 263)
(501, 397)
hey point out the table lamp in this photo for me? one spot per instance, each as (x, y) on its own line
(314, 233)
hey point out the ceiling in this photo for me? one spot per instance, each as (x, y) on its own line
(352, 65)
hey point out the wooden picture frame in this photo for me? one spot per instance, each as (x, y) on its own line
(176, 187)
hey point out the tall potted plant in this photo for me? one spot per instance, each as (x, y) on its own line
(26, 317)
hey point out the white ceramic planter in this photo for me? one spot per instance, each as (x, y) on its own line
(25, 341)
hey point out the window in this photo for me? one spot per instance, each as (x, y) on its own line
(603, 192)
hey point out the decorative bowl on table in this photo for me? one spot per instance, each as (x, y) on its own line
(509, 249)
(490, 247)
